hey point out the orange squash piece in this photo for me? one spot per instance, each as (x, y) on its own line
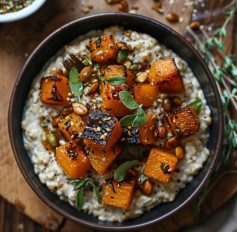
(114, 137)
(145, 94)
(123, 195)
(72, 126)
(101, 160)
(118, 70)
(184, 121)
(103, 49)
(72, 160)
(111, 102)
(147, 131)
(165, 75)
(160, 165)
(54, 90)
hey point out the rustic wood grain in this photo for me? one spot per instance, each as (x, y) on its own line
(17, 41)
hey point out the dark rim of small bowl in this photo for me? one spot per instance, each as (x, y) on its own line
(14, 146)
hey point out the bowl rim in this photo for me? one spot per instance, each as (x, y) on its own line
(51, 204)
(23, 13)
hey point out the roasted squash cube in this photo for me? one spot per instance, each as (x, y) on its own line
(54, 90)
(118, 70)
(72, 160)
(165, 75)
(72, 126)
(145, 94)
(147, 131)
(120, 196)
(160, 165)
(101, 160)
(111, 102)
(103, 49)
(102, 129)
(184, 121)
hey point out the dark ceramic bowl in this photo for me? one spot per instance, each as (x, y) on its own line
(63, 36)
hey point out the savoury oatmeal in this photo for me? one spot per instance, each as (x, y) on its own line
(116, 121)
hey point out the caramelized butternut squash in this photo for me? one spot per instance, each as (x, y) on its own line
(72, 126)
(118, 70)
(103, 49)
(160, 165)
(111, 102)
(165, 75)
(102, 131)
(101, 160)
(147, 131)
(184, 121)
(72, 160)
(120, 196)
(145, 94)
(54, 90)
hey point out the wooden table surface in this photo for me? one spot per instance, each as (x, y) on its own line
(20, 208)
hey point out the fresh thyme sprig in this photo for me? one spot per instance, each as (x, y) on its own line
(80, 185)
(225, 76)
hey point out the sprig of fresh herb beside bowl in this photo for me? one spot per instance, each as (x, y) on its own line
(139, 118)
(80, 184)
(225, 76)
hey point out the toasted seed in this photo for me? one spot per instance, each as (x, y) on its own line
(65, 111)
(176, 101)
(172, 17)
(79, 108)
(194, 25)
(93, 88)
(160, 132)
(123, 6)
(112, 1)
(146, 187)
(122, 46)
(179, 152)
(56, 120)
(142, 77)
(86, 74)
(171, 143)
(166, 104)
(127, 63)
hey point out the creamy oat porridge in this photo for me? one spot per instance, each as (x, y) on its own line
(116, 121)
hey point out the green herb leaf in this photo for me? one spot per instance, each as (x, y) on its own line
(74, 76)
(221, 32)
(141, 116)
(128, 100)
(111, 186)
(127, 120)
(121, 171)
(97, 194)
(80, 185)
(98, 42)
(79, 199)
(97, 66)
(77, 88)
(197, 105)
(116, 80)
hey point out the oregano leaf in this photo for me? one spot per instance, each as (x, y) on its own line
(79, 199)
(127, 120)
(128, 100)
(121, 171)
(116, 80)
(74, 76)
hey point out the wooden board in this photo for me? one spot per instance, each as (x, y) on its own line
(18, 40)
